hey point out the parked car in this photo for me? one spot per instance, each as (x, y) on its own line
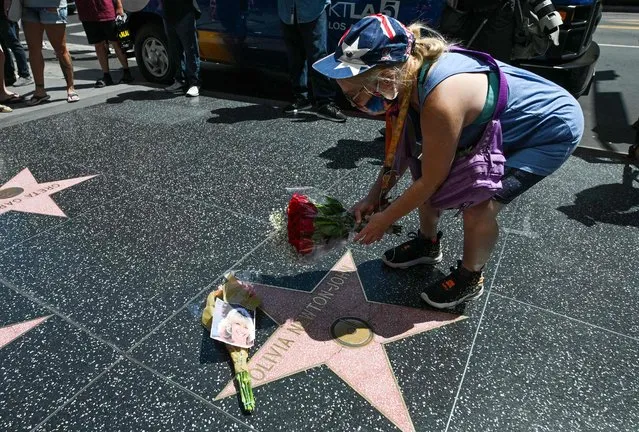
(246, 33)
(571, 64)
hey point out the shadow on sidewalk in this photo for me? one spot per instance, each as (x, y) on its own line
(116, 74)
(347, 153)
(615, 203)
(256, 113)
(142, 95)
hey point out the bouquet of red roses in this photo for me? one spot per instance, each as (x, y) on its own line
(320, 224)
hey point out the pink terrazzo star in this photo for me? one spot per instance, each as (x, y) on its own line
(337, 326)
(24, 194)
(10, 333)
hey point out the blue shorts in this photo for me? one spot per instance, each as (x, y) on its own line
(45, 15)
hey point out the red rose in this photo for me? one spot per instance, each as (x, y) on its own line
(305, 246)
(305, 226)
(301, 212)
(301, 204)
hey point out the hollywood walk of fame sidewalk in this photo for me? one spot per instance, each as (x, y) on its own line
(113, 235)
(84, 79)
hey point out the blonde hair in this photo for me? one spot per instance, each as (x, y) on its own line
(234, 316)
(428, 47)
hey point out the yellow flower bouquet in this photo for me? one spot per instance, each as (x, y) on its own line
(234, 292)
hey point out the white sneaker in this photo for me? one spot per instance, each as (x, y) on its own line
(193, 91)
(21, 81)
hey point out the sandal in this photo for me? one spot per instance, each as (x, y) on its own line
(5, 109)
(13, 99)
(35, 100)
(73, 97)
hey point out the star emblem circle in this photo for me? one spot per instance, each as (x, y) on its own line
(352, 332)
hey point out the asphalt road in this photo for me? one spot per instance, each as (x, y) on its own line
(610, 108)
(613, 102)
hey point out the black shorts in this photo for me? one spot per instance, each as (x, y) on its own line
(514, 183)
(100, 31)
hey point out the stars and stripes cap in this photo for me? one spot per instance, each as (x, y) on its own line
(373, 40)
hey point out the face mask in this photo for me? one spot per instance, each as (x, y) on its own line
(378, 103)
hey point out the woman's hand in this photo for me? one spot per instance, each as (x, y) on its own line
(375, 228)
(363, 208)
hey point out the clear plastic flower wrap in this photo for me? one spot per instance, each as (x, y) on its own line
(317, 223)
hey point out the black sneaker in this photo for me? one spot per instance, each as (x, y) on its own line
(176, 87)
(459, 286)
(105, 81)
(331, 112)
(127, 78)
(418, 250)
(300, 104)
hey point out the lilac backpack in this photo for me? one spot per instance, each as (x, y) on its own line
(476, 172)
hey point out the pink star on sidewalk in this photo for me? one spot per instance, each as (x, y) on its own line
(337, 326)
(10, 333)
(24, 194)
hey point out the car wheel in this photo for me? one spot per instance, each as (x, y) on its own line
(71, 10)
(152, 54)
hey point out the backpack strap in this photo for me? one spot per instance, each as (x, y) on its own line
(502, 99)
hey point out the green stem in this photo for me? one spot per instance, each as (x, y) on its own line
(246, 391)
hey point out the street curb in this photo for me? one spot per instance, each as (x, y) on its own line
(627, 9)
(39, 112)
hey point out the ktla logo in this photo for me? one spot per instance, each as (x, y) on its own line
(356, 11)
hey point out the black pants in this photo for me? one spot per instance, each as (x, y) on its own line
(13, 50)
(305, 44)
(183, 48)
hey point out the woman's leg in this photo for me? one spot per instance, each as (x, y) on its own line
(423, 248)
(33, 32)
(480, 234)
(57, 35)
(4, 93)
(466, 282)
(428, 220)
(480, 222)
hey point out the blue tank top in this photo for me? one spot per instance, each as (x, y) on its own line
(541, 125)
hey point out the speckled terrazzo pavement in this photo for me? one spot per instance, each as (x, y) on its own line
(182, 193)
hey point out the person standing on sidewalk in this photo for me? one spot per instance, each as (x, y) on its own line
(5, 95)
(39, 16)
(10, 42)
(98, 20)
(180, 17)
(304, 26)
(8, 69)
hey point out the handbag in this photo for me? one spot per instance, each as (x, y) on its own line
(15, 11)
